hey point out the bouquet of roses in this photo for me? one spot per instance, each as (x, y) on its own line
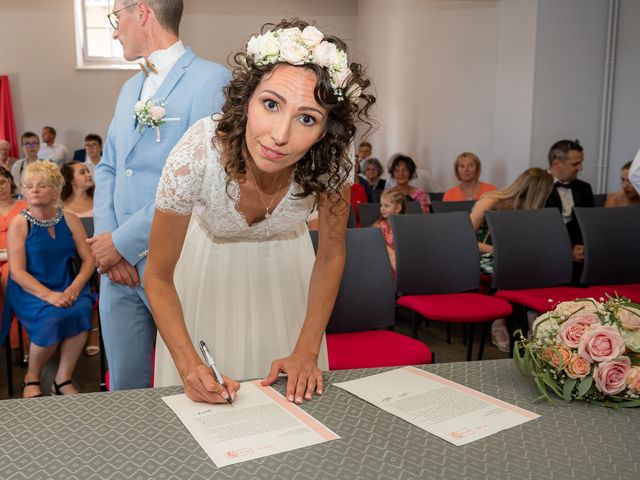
(585, 350)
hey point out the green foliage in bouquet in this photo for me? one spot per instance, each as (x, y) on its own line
(585, 350)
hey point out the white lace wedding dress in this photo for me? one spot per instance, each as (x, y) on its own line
(243, 288)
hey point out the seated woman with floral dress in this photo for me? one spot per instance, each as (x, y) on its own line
(402, 170)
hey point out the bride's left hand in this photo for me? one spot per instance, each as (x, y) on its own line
(303, 376)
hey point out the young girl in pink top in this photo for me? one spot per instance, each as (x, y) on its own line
(392, 202)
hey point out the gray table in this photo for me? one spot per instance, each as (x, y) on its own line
(134, 435)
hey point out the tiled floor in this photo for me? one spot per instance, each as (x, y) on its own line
(87, 375)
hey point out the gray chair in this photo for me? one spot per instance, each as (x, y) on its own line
(446, 207)
(414, 207)
(351, 221)
(436, 196)
(611, 242)
(357, 335)
(438, 272)
(599, 199)
(369, 213)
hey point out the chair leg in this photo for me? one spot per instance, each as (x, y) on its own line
(483, 339)
(103, 358)
(448, 333)
(416, 324)
(9, 367)
(470, 342)
(21, 361)
(464, 334)
(516, 318)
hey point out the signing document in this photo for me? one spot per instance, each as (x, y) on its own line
(444, 408)
(260, 422)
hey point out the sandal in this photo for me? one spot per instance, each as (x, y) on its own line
(500, 338)
(30, 384)
(57, 387)
(91, 350)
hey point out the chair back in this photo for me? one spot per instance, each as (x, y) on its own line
(599, 199)
(531, 249)
(87, 223)
(446, 207)
(435, 253)
(611, 244)
(351, 221)
(369, 213)
(436, 196)
(413, 207)
(366, 299)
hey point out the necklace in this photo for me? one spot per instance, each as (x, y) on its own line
(47, 223)
(267, 215)
(469, 192)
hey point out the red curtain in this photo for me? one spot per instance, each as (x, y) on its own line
(7, 121)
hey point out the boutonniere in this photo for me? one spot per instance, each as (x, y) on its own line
(150, 114)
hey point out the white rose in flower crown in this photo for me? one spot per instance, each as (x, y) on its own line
(157, 112)
(325, 54)
(341, 62)
(268, 46)
(138, 106)
(292, 34)
(312, 36)
(293, 52)
(253, 46)
(341, 77)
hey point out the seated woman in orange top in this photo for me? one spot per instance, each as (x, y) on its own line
(467, 169)
(9, 208)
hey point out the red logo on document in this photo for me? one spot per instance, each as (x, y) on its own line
(238, 453)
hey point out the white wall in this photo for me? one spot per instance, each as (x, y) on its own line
(569, 76)
(38, 54)
(625, 119)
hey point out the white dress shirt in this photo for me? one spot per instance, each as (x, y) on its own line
(57, 153)
(163, 61)
(566, 198)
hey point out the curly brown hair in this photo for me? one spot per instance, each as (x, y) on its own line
(327, 164)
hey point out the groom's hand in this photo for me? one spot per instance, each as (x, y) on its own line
(104, 251)
(124, 274)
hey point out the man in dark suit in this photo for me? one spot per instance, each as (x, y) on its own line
(565, 163)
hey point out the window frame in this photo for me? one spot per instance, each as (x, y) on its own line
(83, 60)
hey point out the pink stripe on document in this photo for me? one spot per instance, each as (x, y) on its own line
(470, 391)
(297, 412)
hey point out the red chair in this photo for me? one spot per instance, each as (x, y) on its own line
(438, 273)
(357, 335)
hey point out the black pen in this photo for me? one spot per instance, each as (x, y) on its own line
(212, 365)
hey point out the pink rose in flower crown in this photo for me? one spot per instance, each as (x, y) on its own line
(157, 113)
(577, 367)
(600, 344)
(551, 356)
(629, 318)
(633, 379)
(611, 377)
(571, 330)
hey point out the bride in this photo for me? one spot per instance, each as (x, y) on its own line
(230, 259)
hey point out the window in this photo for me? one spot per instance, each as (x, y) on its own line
(95, 46)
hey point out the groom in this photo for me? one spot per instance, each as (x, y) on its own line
(187, 88)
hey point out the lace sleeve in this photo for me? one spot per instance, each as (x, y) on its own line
(183, 174)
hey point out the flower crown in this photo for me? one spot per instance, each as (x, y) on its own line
(298, 47)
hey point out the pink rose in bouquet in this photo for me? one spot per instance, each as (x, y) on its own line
(611, 377)
(578, 367)
(157, 113)
(633, 380)
(572, 330)
(601, 344)
(629, 318)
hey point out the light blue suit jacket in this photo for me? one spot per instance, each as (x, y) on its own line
(132, 162)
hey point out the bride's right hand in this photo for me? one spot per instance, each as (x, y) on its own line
(201, 386)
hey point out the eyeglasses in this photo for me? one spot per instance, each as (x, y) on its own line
(31, 144)
(113, 18)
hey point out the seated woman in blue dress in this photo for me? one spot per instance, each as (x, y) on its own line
(47, 289)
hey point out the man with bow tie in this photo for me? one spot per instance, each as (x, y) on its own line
(178, 89)
(565, 163)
